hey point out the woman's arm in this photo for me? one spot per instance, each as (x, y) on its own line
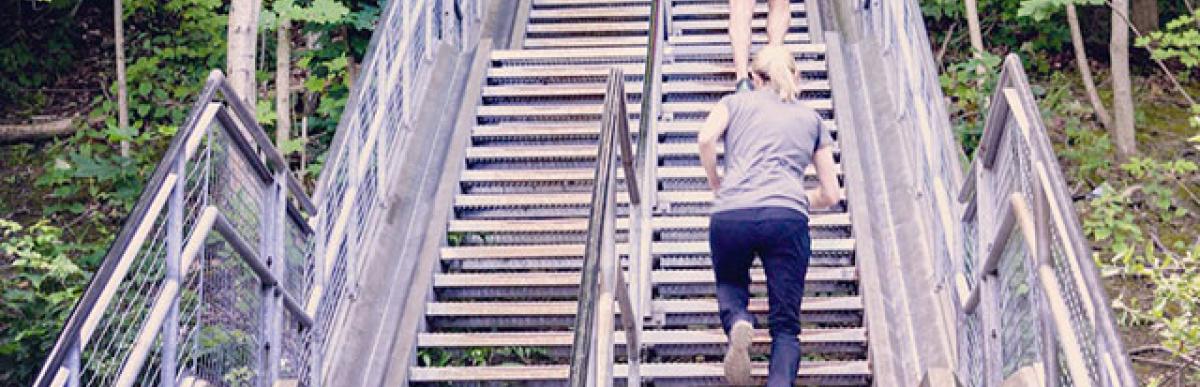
(828, 193)
(713, 129)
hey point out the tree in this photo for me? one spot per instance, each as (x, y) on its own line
(976, 36)
(1085, 69)
(1122, 129)
(283, 77)
(122, 92)
(242, 41)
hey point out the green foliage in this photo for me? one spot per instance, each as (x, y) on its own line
(968, 92)
(1003, 23)
(1179, 39)
(1040, 10)
(38, 285)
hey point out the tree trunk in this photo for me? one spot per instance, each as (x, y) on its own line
(283, 78)
(1144, 15)
(1085, 69)
(242, 41)
(122, 93)
(39, 130)
(976, 35)
(1122, 129)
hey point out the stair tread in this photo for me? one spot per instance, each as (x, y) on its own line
(637, 53)
(601, 10)
(575, 151)
(818, 104)
(722, 38)
(583, 174)
(576, 250)
(859, 368)
(648, 337)
(633, 69)
(585, 41)
(570, 199)
(580, 224)
(599, 89)
(688, 306)
(514, 110)
(585, 27)
(477, 280)
(709, 24)
(525, 129)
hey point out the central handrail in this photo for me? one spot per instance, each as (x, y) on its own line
(601, 280)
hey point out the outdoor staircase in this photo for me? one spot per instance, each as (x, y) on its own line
(504, 298)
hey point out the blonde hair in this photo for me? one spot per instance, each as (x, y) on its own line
(777, 67)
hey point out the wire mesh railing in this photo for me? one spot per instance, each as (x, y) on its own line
(375, 126)
(206, 280)
(1025, 296)
(1033, 303)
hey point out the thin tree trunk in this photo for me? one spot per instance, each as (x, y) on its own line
(283, 77)
(1085, 69)
(976, 35)
(1122, 130)
(243, 39)
(122, 93)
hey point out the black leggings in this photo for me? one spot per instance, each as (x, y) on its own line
(780, 237)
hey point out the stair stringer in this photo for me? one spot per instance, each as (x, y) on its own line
(907, 166)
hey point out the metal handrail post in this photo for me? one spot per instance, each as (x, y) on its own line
(647, 162)
(170, 328)
(605, 324)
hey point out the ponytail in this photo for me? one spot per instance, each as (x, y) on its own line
(776, 65)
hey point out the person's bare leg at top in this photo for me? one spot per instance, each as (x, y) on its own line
(740, 14)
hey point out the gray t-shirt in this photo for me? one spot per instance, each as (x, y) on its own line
(768, 145)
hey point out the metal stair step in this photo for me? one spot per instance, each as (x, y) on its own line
(723, 25)
(565, 251)
(561, 200)
(681, 11)
(562, 285)
(673, 277)
(582, 130)
(710, 87)
(568, 308)
(811, 372)
(584, 174)
(724, 53)
(548, 111)
(691, 128)
(630, 54)
(702, 108)
(575, 152)
(584, 41)
(596, 90)
(633, 71)
(649, 337)
(722, 9)
(706, 39)
(580, 224)
(588, 27)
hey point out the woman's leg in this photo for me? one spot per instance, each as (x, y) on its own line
(785, 260)
(778, 20)
(740, 14)
(732, 254)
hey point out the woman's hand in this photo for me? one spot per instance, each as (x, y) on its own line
(828, 193)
